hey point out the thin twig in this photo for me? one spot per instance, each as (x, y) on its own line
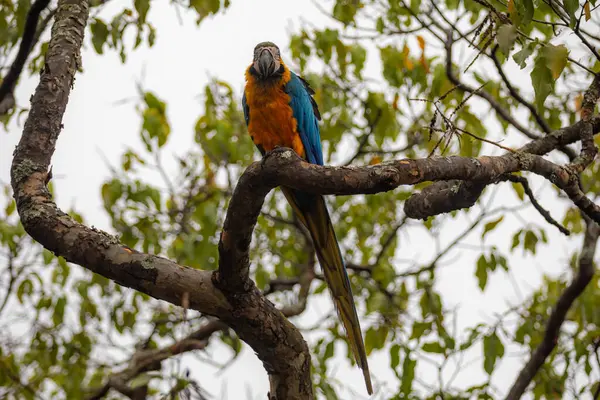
(517, 96)
(501, 111)
(543, 212)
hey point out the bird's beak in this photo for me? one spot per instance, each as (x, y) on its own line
(266, 64)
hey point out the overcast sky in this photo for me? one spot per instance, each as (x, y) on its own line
(176, 68)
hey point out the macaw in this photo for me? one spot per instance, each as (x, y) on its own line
(280, 112)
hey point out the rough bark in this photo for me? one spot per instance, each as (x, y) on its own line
(453, 194)
(230, 294)
(277, 342)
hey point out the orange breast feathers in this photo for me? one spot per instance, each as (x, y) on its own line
(272, 122)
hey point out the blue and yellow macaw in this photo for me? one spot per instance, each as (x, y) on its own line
(281, 112)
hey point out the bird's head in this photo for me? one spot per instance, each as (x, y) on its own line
(267, 61)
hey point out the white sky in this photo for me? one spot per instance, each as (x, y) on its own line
(177, 68)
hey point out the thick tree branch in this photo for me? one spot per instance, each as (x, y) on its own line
(557, 317)
(256, 321)
(229, 294)
(442, 197)
(27, 41)
(283, 167)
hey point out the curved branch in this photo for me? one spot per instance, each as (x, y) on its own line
(442, 197)
(256, 321)
(559, 313)
(282, 167)
(229, 294)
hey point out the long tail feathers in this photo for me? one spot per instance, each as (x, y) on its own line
(312, 212)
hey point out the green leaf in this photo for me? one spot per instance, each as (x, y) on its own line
(394, 356)
(99, 34)
(433, 347)
(526, 10)
(521, 56)
(47, 256)
(59, 311)
(345, 11)
(142, 7)
(375, 338)
(408, 373)
(481, 272)
(377, 302)
(556, 57)
(573, 221)
(204, 8)
(328, 351)
(571, 7)
(516, 240)
(519, 191)
(473, 336)
(328, 391)
(415, 5)
(111, 192)
(541, 79)
(155, 122)
(10, 207)
(358, 56)
(419, 328)
(490, 226)
(493, 349)
(530, 241)
(506, 36)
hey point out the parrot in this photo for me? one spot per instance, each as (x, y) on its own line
(280, 111)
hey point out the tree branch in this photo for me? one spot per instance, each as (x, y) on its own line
(256, 321)
(445, 196)
(517, 96)
(543, 212)
(142, 359)
(588, 147)
(481, 93)
(559, 313)
(27, 41)
(229, 294)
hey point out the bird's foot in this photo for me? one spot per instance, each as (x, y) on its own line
(276, 150)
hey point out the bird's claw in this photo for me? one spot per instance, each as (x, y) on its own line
(268, 154)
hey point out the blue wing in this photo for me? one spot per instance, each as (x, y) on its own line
(307, 115)
(246, 109)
